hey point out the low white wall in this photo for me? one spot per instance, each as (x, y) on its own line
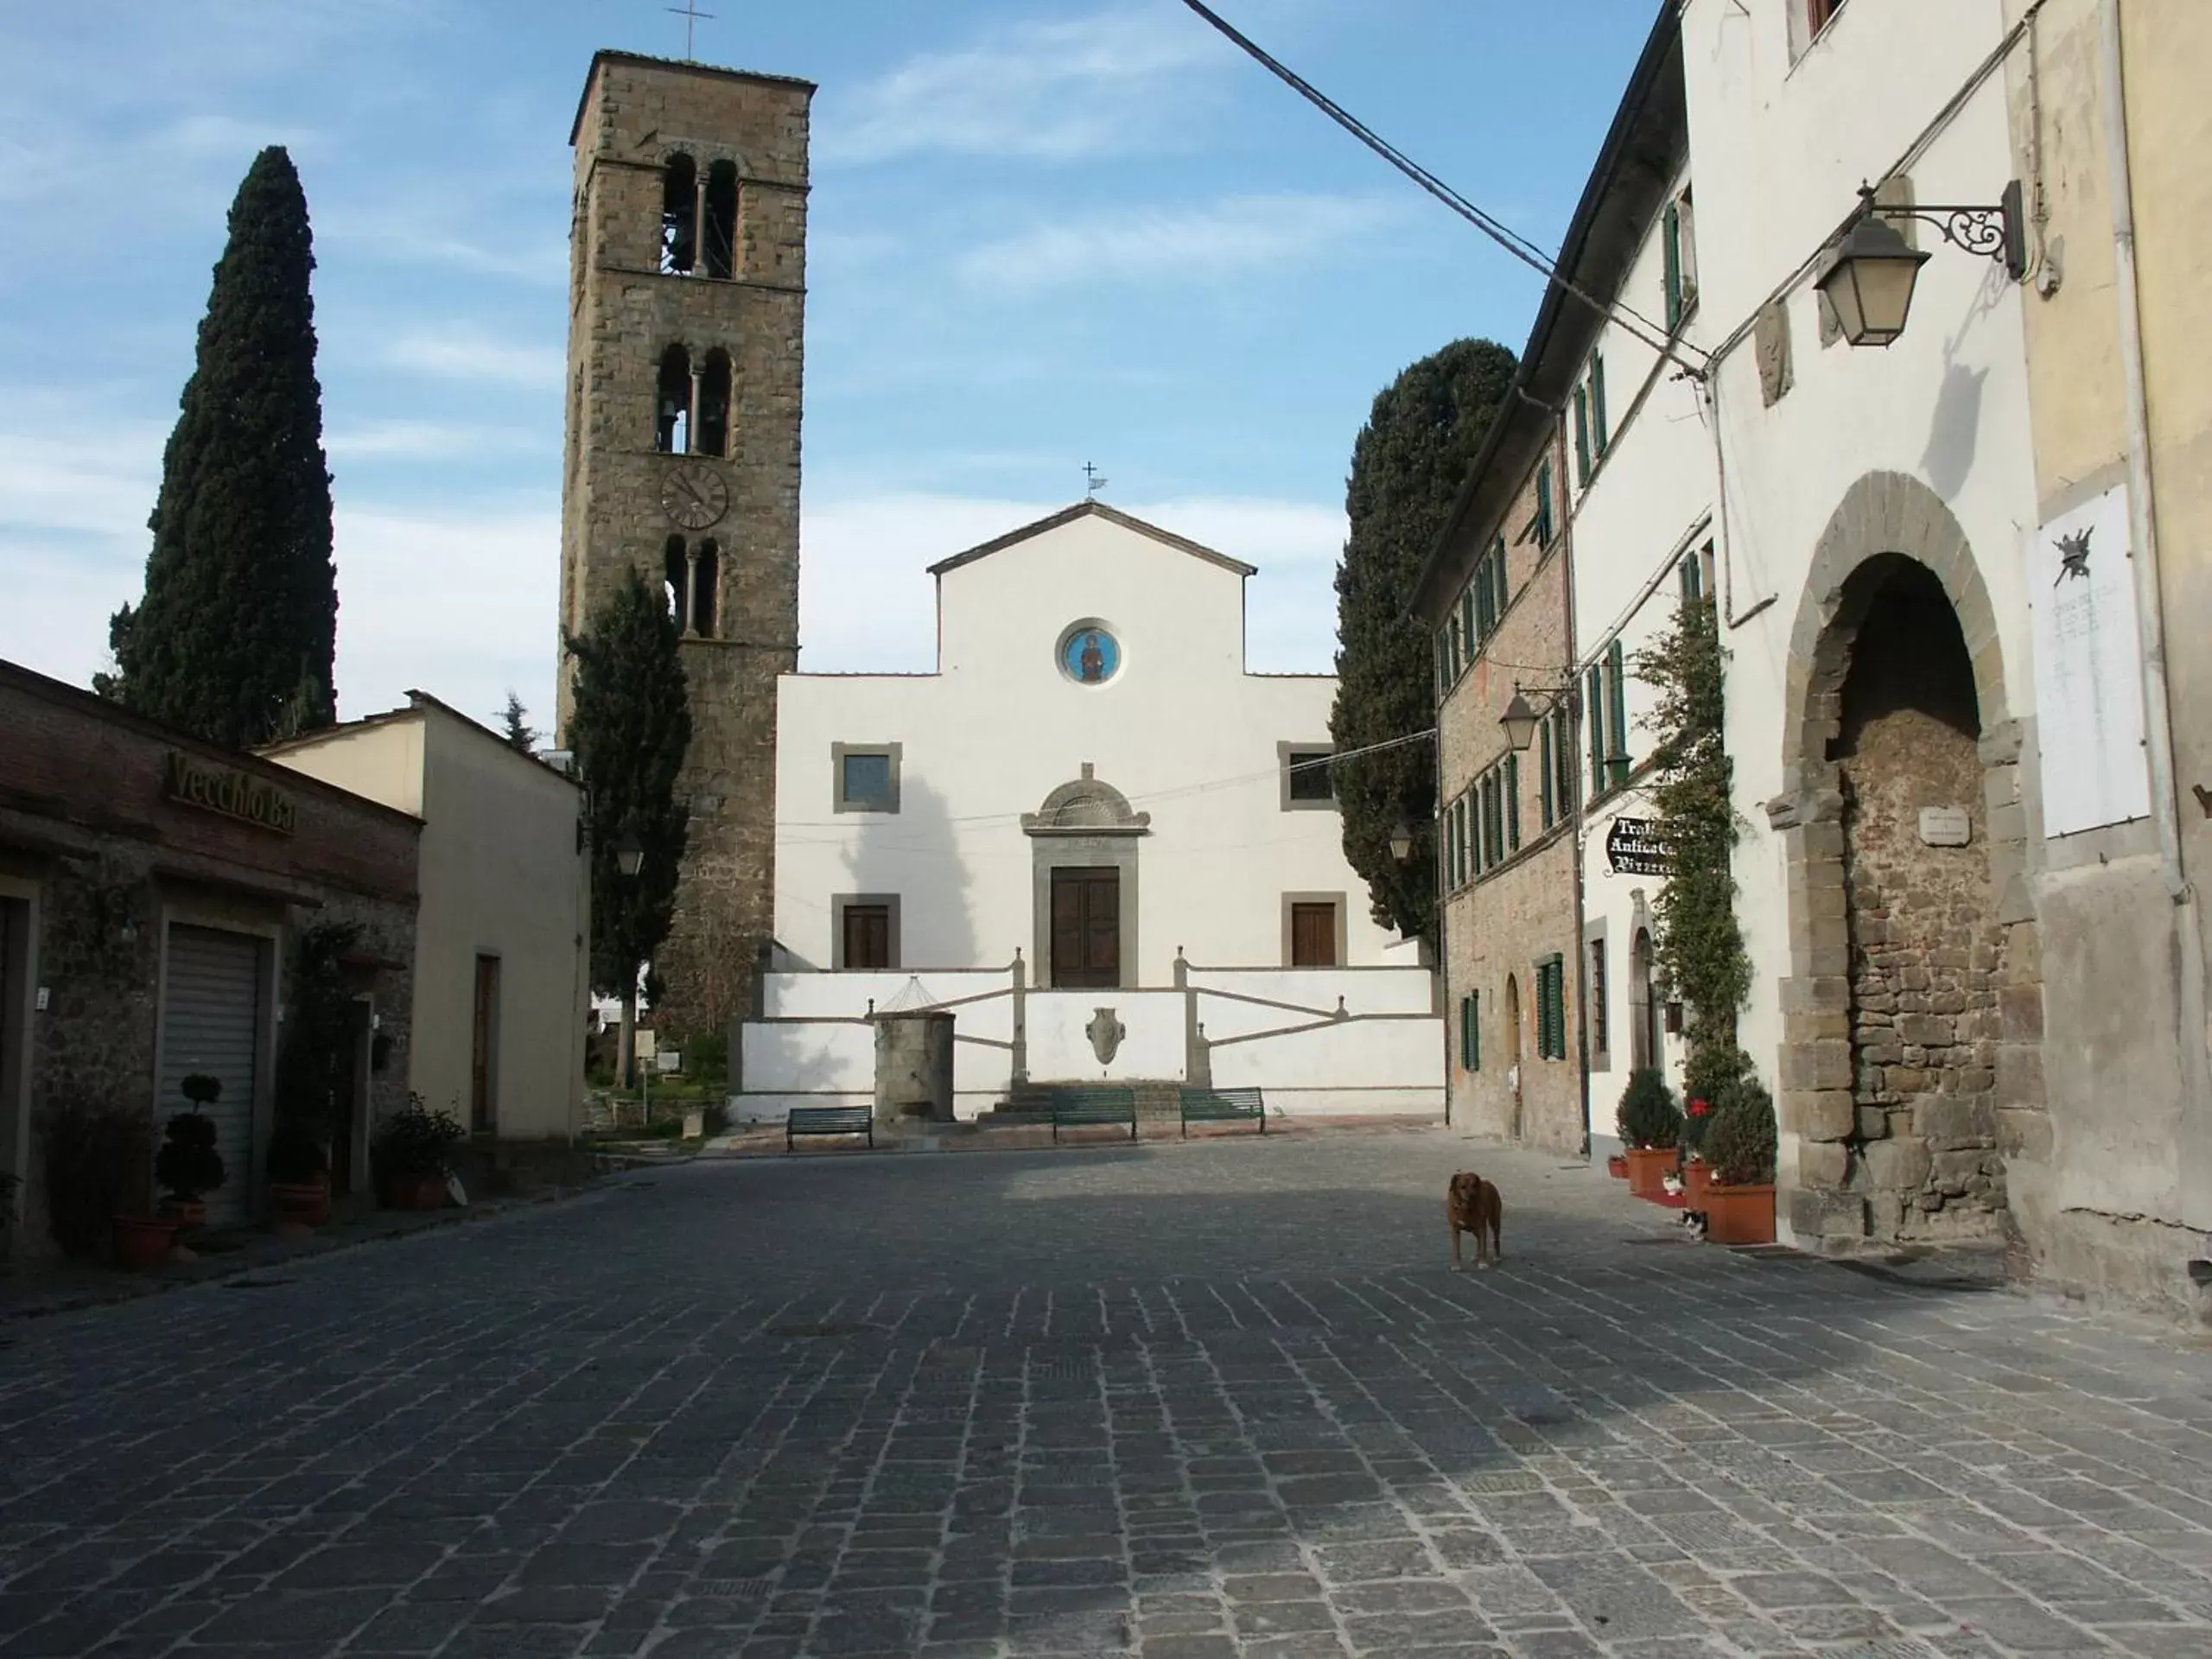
(809, 1057)
(1059, 1050)
(1402, 1053)
(826, 996)
(1400, 990)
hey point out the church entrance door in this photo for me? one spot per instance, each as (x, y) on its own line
(1086, 927)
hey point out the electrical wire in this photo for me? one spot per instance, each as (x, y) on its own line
(1512, 241)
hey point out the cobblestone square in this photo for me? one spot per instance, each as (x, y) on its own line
(1181, 1401)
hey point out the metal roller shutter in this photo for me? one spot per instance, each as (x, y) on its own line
(210, 1022)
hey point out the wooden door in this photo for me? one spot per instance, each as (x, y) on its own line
(868, 935)
(1313, 936)
(1086, 927)
(483, 1087)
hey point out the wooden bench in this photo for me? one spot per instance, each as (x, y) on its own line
(1079, 1108)
(828, 1120)
(1222, 1106)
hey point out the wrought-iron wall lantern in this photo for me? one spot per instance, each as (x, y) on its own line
(1520, 719)
(1870, 273)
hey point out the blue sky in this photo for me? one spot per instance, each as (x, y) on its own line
(1043, 232)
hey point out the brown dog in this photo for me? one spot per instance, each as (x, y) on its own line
(1472, 1205)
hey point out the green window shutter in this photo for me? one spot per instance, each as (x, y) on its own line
(1600, 437)
(1474, 1030)
(1544, 502)
(1499, 576)
(1594, 712)
(1464, 1046)
(1467, 619)
(1543, 1010)
(1513, 803)
(1563, 761)
(1462, 867)
(1545, 760)
(1485, 617)
(1443, 665)
(1672, 222)
(1617, 694)
(1582, 433)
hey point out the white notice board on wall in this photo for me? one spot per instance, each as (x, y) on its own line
(2089, 669)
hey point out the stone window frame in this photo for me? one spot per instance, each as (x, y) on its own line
(838, 752)
(1598, 980)
(1885, 513)
(1335, 902)
(842, 902)
(1284, 753)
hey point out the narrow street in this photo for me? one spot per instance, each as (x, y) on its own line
(1218, 1399)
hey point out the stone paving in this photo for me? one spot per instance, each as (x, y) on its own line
(1176, 1402)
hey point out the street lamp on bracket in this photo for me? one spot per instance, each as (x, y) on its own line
(1520, 719)
(1870, 273)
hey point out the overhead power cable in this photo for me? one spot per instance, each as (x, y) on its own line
(1511, 240)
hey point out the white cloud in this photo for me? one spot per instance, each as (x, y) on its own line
(1238, 236)
(467, 354)
(1057, 91)
(878, 547)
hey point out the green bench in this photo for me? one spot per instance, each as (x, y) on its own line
(828, 1120)
(1223, 1106)
(1084, 1108)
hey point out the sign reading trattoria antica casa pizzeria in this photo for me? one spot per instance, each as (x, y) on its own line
(1633, 849)
(235, 795)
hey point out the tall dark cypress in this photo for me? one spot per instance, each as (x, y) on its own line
(236, 635)
(1407, 465)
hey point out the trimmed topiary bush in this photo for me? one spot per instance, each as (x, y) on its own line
(1711, 1070)
(188, 1167)
(1740, 1144)
(1649, 1115)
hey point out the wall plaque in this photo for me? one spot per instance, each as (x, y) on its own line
(233, 794)
(1632, 848)
(1945, 826)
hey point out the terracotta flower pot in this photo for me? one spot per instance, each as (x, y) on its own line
(1647, 1171)
(1738, 1215)
(187, 1215)
(426, 1192)
(1617, 1167)
(1697, 1180)
(307, 1203)
(141, 1241)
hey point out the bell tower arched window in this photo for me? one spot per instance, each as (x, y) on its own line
(713, 404)
(721, 216)
(679, 215)
(705, 575)
(672, 403)
(676, 581)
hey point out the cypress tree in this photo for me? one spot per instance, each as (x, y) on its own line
(236, 635)
(516, 728)
(630, 727)
(1407, 465)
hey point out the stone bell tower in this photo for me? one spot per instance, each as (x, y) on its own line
(687, 304)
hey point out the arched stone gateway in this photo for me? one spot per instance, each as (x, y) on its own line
(1909, 1062)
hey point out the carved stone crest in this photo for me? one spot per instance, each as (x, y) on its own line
(1105, 1033)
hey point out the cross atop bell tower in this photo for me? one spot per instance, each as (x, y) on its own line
(686, 324)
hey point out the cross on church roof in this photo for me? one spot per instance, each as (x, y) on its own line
(689, 12)
(1094, 482)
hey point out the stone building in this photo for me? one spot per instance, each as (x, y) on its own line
(1532, 993)
(687, 309)
(154, 891)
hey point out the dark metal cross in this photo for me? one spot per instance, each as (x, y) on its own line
(1095, 482)
(689, 12)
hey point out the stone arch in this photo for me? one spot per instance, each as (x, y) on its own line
(1086, 824)
(1891, 535)
(1086, 805)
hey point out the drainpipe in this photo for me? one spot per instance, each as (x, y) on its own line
(2157, 731)
(1575, 835)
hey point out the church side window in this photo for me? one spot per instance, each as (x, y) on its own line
(672, 403)
(865, 777)
(1307, 776)
(706, 578)
(679, 216)
(676, 582)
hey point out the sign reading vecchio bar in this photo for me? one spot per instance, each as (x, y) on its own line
(233, 794)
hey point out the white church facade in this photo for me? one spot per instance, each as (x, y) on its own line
(1091, 803)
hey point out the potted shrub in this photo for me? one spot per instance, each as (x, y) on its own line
(1650, 1126)
(1740, 1149)
(299, 1173)
(189, 1166)
(409, 1151)
(96, 1163)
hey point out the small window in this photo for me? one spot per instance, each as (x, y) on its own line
(720, 200)
(1691, 574)
(1819, 13)
(865, 941)
(866, 778)
(1617, 760)
(1308, 778)
(679, 216)
(672, 422)
(1470, 1031)
(1677, 225)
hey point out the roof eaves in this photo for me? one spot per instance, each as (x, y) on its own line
(1100, 510)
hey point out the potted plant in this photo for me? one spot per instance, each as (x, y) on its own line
(299, 1172)
(1740, 1149)
(189, 1166)
(97, 1161)
(409, 1151)
(1650, 1126)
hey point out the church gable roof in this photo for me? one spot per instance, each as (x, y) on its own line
(1091, 509)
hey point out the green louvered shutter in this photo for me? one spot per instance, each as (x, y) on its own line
(1497, 576)
(1544, 502)
(1512, 802)
(1474, 1030)
(1467, 620)
(1594, 704)
(1582, 433)
(1617, 705)
(1600, 436)
(1672, 222)
(1545, 761)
